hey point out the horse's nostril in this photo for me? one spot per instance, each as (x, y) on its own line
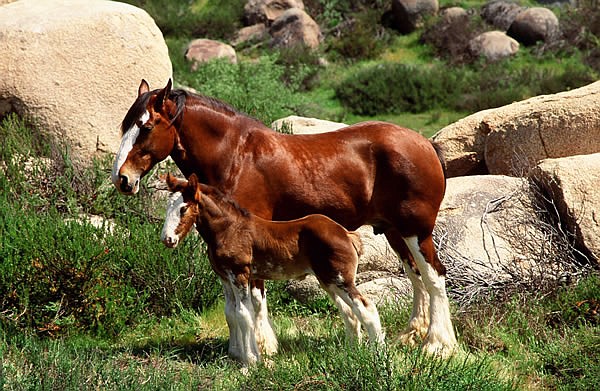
(124, 184)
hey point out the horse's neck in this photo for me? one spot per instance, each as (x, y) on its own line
(208, 144)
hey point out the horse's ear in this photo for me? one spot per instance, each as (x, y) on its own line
(171, 181)
(143, 88)
(163, 96)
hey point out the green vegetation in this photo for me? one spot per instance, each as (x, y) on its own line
(109, 307)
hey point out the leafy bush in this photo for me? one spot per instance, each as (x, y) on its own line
(359, 37)
(211, 19)
(256, 88)
(57, 273)
(393, 88)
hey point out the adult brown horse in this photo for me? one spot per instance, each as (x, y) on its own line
(372, 173)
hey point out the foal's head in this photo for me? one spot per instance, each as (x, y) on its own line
(182, 209)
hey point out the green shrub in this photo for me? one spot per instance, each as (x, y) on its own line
(396, 88)
(256, 88)
(57, 274)
(360, 37)
(210, 19)
(393, 88)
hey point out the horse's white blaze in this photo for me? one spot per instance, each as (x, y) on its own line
(172, 219)
(129, 139)
(440, 336)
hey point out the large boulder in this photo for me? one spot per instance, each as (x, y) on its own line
(74, 67)
(463, 143)
(546, 126)
(493, 45)
(294, 27)
(500, 13)
(573, 184)
(266, 11)
(202, 50)
(302, 125)
(511, 139)
(409, 15)
(489, 237)
(533, 25)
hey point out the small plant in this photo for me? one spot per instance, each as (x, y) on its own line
(359, 37)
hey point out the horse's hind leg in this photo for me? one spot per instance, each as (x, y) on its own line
(418, 324)
(440, 336)
(351, 322)
(363, 309)
(265, 336)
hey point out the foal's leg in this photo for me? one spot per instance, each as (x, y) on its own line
(265, 336)
(363, 309)
(235, 336)
(351, 322)
(440, 336)
(418, 323)
(245, 319)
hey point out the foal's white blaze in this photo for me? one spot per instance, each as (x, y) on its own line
(172, 219)
(440, 337)
(129, 139)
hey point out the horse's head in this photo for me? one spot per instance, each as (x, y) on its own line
(182, 209)
(149, 136)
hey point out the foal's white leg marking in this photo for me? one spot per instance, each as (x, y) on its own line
(419, 317)
(245, 319)
(351, 323)
(440, 337)
(172, 219)
(235, 336)
(129, 139)
(265, 336)
(366, 314)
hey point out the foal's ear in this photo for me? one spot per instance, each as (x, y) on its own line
(162, 96)
(195, 186)
(143, 88)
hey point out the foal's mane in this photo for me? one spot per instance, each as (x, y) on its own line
(220, 198)
(180, 97)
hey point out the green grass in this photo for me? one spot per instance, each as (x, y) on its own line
(82, 309)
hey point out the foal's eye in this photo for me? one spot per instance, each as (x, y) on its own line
(182, 210)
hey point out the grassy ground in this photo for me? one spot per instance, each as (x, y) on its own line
(81, 309)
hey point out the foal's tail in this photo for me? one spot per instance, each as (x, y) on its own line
(356, 242)
(440, 154)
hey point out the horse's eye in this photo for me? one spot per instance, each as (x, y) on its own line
(182, 210)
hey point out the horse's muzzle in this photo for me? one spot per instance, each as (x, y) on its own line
(125, 186)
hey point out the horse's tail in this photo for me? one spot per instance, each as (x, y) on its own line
(356, 242)
(439, 151)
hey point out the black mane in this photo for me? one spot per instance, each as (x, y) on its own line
(180, 97)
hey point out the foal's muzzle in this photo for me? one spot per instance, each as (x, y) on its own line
(171, 241)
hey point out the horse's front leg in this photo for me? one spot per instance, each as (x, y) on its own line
(265, 335)
(245, 318)
(235, 336)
